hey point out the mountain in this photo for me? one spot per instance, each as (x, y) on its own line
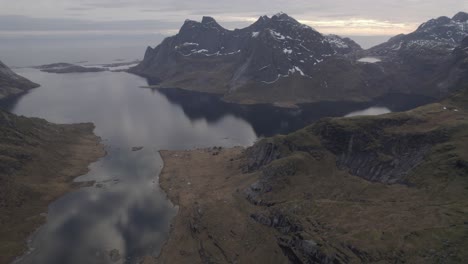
(276, 54)
(12, 84)
(417, 62)
(379, 189)
(343, 45)
(436, 37)
(279, 60)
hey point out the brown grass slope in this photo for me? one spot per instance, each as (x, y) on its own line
(38, 161)
(386, 189)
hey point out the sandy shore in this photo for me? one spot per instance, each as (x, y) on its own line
(213, 224)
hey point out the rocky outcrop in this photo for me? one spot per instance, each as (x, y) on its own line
(262, 155)
(368, 151)
(12, 84)
(301, 251)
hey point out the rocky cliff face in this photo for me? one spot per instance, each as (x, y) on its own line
(11, 83)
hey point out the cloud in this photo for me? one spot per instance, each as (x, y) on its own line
(359, 17)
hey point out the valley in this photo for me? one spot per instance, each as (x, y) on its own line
(268, 143)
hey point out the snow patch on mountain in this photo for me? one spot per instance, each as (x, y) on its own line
(277, 35)
(336, 42)
(287, 51)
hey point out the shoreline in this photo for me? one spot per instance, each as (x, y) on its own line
(61, 157)
(210, 201)
(303, 206)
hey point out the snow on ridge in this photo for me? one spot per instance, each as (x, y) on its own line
(336, 42)
(295, 69)
(290, 72)
(277, 35)
(369, 60)
(287, 51)
(204, 52)
(189, 44)
(395, 47)
(255, 34)
(264, 67)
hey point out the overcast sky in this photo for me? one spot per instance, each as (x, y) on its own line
(345, 17)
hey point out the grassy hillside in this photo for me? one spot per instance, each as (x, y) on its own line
(38, 161)
(383, 189)
(12, 84)
(369, 189)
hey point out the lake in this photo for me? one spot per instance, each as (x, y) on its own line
(125, 215)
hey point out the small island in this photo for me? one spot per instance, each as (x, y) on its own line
(68, 68)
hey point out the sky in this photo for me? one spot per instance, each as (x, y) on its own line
(34, 32)
(136, 17)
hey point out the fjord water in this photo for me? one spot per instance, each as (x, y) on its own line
(125, 215)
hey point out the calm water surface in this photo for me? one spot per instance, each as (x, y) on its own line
(125, 211)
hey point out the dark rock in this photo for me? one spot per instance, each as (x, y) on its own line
(115, 255)
(137, 148)
(301, 251)
(260, 155)
(461, 17)
(280, 221)
(370, 153)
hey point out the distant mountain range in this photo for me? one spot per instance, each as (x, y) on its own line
(12, 84)
(440, 35)
(279, 60)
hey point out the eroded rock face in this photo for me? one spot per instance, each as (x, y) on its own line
(261, 155)
(376, 155)
(299, 250)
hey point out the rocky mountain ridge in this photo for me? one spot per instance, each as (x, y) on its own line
(269, 49)
(279, 60)
(207, 57)
(440, 35)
